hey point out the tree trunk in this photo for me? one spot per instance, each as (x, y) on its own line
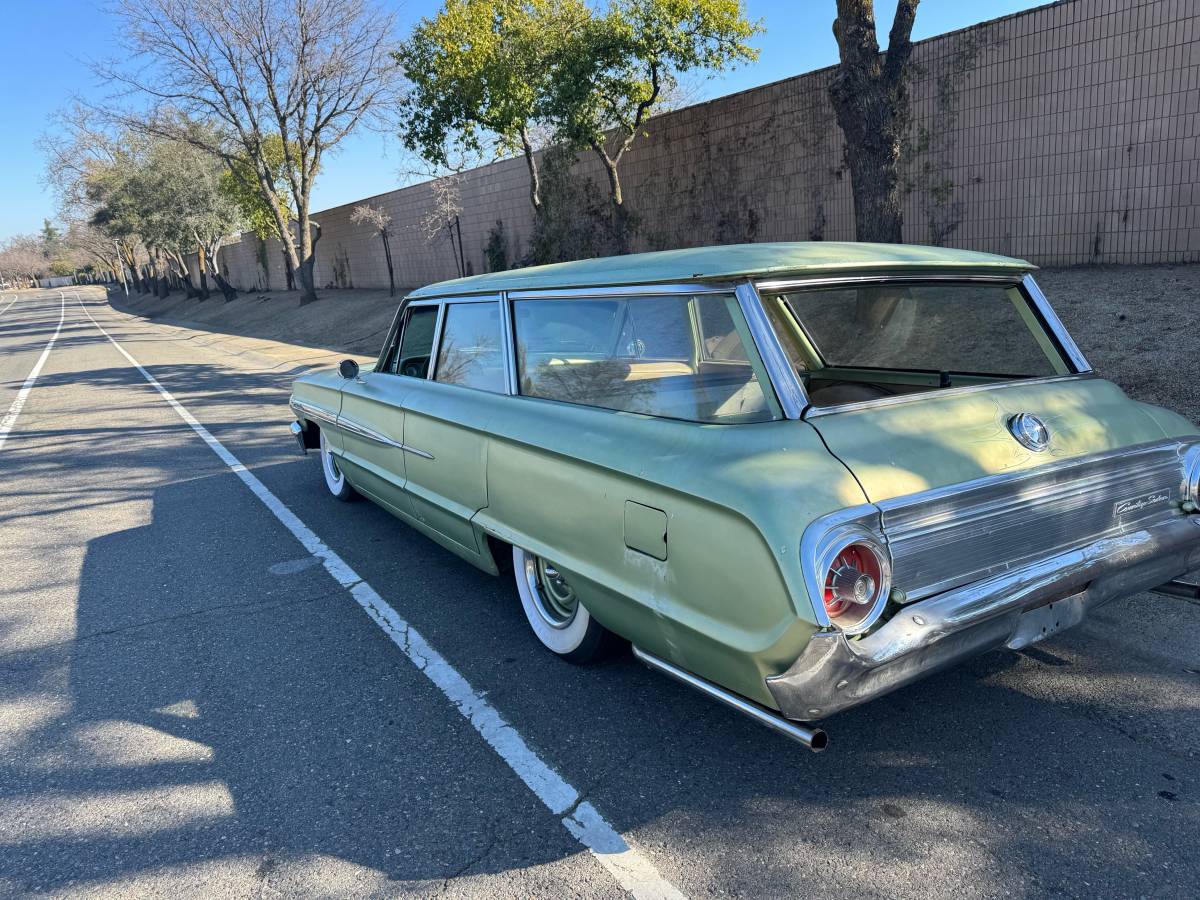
(869, 93)
(305, 270)
(620, 215)
(202, 265)
(226, 288)
(535, 182)
(387, 254)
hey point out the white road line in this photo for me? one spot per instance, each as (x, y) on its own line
(7, 308)
(10, 419)
(633, 871)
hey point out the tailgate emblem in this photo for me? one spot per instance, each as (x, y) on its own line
(1137, 504)
(1029, 431)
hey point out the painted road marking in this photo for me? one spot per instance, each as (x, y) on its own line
(633, 871)
(7, 308)
(10, 419)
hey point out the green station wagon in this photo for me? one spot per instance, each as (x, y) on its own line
(793, 476)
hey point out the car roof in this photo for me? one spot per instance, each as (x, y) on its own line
(731, 261)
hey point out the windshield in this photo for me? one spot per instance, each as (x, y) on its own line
(892, 338)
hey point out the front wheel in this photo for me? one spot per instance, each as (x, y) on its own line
(335, 480)
(555, 614)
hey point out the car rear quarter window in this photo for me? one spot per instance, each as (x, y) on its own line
(676, 356)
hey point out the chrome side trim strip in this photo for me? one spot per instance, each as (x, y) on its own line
(812, 738)
(788, 387)
(630, 290)
(310, 411)
(370, 434)
(1074, 354)
(946, 537)
(814, 411)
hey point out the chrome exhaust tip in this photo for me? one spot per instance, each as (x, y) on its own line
(815, 739)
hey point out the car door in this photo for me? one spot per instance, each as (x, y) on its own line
(371, 420)
(447, 417)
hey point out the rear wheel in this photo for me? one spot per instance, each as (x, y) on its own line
(334, 479)
(557, 618)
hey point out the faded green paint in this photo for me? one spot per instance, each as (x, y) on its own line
(728, 601)
(730, 262)
(646, 530)
(948, 438)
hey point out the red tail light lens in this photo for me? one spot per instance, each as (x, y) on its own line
(856, 586)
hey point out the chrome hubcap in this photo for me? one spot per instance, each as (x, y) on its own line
(553, 597)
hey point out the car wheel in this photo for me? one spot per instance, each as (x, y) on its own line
(555, 614)
(334, 479)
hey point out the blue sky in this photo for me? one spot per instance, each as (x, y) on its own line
(44, 47)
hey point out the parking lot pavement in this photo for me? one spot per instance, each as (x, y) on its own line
(190, 701)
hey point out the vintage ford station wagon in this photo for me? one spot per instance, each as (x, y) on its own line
(792, 476)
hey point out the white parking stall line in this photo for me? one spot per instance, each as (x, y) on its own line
(10, 418)
(633, 871)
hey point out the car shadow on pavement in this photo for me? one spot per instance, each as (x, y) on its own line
(229, 705)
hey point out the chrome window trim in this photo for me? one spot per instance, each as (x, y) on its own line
(446, 303)
(780, 284)
(1054, 323)
(508, 344)
(436, 347)
(369, 434)
(789, 390)
(312, 411)
(628, 290)
(814, 412)
(1037, 299)
(393, 335)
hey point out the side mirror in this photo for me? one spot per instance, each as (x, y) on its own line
(348, 369)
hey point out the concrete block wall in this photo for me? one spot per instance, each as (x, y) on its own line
(1067, 134)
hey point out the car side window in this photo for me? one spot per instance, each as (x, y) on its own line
(416, 343)
(672, 356)
(470, 354)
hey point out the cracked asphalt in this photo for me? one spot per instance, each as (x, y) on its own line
(190, 706)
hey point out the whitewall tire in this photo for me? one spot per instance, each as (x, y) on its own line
(335, 480)
(558, 619)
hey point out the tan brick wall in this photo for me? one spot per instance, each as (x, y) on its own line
(1067, 134)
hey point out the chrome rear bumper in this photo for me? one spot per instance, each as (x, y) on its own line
(1013, 609)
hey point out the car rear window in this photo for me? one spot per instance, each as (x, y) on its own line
(679, 356)
(971, 329)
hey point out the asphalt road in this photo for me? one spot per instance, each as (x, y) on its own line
(191, 703)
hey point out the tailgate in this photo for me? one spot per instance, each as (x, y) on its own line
(941, 439)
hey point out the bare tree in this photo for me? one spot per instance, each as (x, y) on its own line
(870, 98)
(376, 218)
(309, 71)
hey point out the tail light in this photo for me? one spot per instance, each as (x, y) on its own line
(857, 582)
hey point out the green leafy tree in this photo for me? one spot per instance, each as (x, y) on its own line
(479, 73)
(166, 194)
(619, 64)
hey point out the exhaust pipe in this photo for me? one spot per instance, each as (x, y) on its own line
(1183, 589)
(813, 738)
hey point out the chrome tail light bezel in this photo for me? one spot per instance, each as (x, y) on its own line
(820, 547)
(1191, 475)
